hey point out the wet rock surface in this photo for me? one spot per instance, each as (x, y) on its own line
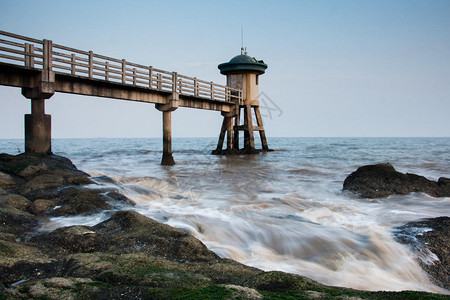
(430, 240)
(128, 256)
(50, 185)
(382, 180)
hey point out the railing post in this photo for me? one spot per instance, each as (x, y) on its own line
(47, 52)
(150, 77)
(107, 71)
(124, 71)
(91, 64)
(174, 82)
(29, 59)
(159, 81)
(73, 67)
(212, 90)
(180, 84)
(134, 76)
(227, 94)
(195, 87)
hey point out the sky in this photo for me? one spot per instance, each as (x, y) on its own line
(335, 68)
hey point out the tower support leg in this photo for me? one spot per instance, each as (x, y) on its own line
(249, 139)
(167, 158)
(262, 133)
(232, 129)
(221, 137)
(229, 125)
(236, 129)
(38, 137)
(227, 128)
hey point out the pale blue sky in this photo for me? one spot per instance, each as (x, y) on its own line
(336, 68)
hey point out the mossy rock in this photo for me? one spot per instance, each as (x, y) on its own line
(16, 221)
(281, 282)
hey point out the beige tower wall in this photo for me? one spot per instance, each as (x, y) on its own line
(248, 83)
(252, 89)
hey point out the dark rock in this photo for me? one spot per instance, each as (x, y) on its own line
(128, 232)
(69, 240)
(23, 270)
(16, 221)
(32, 164)
(7, 181)
(78, 200)
(16, 201)
(280, 282)
(54, 183)
(40, 183)
(430, 240)
(104, 179)
(115, 196)
(42, 206)
(38, 176)
(382, 180)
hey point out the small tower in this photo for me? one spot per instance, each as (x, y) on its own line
(242, 73)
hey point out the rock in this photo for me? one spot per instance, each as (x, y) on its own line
(69, 240)
(7, 181)
(78, 200)
(382, 180)
(40, 169)
(130, 232)
(127, 232)
(65, 282)
(41, 184)
(32, 164)
(115, 196)
(280, 282)
(16, 221)
(26, 269)
(16, 201)
(42, 206)
(430, 240)
(33, 170)
(241, 292)
(57, 181)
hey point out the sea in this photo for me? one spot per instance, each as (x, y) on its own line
(283, 210)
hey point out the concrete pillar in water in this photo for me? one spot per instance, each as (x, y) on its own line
(167, 158)
(38, 128)
(167, 109)
(229, 125)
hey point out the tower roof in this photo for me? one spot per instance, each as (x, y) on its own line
(243, 63)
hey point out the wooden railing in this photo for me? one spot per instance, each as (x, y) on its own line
(43, 54)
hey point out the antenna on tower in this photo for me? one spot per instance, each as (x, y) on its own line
(242, 39)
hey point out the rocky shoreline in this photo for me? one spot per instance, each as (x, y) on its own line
(128, 256)
(429, 239)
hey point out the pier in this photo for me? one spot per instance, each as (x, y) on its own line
(41, 68)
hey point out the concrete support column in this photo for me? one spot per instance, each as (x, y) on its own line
(236, 130)
(223, 130)
(249, 140)
(38, 137)
(229, 126)
(167, 159)
(262, 133)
